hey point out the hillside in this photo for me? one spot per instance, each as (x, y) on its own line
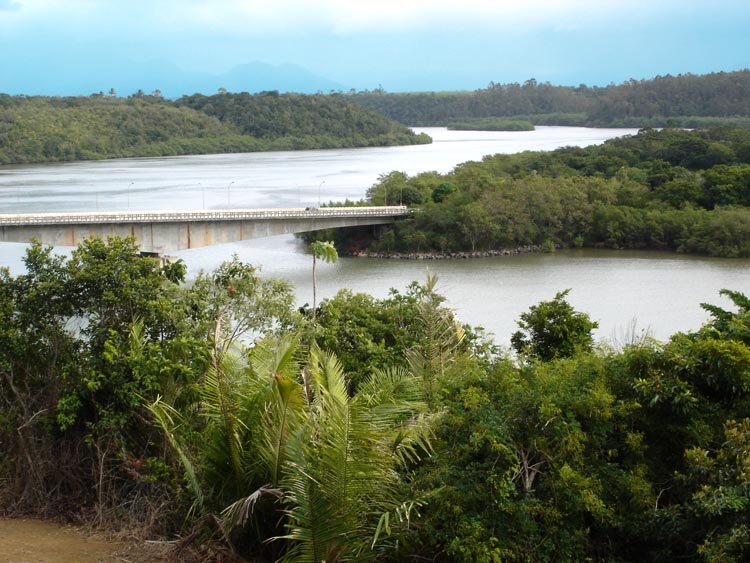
(271, 115)
(47, 129)
(685, 100)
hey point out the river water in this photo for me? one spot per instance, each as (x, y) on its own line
(626, 292)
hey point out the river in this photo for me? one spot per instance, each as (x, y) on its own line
(626, 292)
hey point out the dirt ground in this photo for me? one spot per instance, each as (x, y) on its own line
(36, 541)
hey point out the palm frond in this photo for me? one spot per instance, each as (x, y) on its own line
(167, 418)
(340, 477)
(220, 406)
(237, 513)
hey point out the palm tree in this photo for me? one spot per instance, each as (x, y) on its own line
(341, 487)
(271, 446)
(440, 345)
(325, 251)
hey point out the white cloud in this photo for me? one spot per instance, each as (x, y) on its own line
(342, 16)
(9, 5)
(352, 16)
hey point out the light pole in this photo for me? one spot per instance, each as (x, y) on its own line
(229, 200)
(203, 194)
(129, 186)
(319, 185)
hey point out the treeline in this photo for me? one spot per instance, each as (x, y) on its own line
(377, 429)
(678, 101)
(44, 129)
(686, 191)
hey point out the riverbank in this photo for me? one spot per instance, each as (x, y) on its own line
(50, 541)
(446, 255)
(26, 539)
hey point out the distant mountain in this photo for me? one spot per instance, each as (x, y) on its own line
(61, 77)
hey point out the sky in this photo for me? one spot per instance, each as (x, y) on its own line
(61, 46)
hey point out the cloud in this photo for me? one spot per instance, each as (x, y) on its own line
(9, 6)
(349, 17)
(344, 17)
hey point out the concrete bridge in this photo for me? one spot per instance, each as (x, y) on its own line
(167, 231)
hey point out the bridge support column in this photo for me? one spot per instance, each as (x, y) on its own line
(163, 259)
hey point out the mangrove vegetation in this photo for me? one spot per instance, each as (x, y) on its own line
(678, 190)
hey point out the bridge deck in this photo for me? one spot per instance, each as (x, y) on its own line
(198, 216)
(167, 231)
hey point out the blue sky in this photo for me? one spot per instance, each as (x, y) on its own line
(51, 46)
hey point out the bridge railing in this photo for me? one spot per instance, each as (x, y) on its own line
(203, 215)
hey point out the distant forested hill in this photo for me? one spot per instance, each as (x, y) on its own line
(45, 129)
(685, 100)
(269, 115)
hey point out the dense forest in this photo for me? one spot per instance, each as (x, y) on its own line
(362, 428)
(685, 100)
(686, 191)
(44, 129)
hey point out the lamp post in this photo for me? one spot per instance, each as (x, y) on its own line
(229, 200)
(129, 186)
(319, 185)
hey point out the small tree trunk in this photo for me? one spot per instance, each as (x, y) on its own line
(315, 295)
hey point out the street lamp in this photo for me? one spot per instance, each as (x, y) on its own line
(319, 185)
(129, 186)
(229, 201)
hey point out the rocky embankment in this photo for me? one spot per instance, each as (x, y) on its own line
(446, 255)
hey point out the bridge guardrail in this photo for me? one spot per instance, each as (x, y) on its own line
(178, 216)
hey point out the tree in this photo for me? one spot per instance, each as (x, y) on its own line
(553, 329)
(326, 252)
(302, 460)
(236, 303)
(86, 342)
(476, 223)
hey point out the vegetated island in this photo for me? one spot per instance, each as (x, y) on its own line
(491, 124)
(688, 100)
(372, 430)
(51, 129)
(684, 191)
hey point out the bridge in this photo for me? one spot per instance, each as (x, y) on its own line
(161, 232)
